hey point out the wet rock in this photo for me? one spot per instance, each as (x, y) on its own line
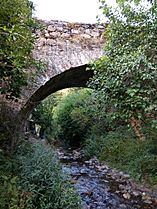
(126, 176)
(102, 187)
(83, 171)
(135, 193)
(126, 195)
(73, 181)
(122, 206)
(121, 186)
(145, 196)
(148, 201)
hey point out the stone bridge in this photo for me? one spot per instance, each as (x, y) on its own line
(66, 49)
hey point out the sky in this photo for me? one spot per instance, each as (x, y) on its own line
(83, 11)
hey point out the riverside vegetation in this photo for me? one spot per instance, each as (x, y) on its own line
(30, 174)
(115, 119)
(78, 119)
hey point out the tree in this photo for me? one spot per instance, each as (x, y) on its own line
(127, 74)
(43, 114)
(16, 45)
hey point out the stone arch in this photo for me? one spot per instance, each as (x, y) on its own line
(74, 77)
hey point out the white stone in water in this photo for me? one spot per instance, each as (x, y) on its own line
(136, 193)
(148, 201)
(83, 171)
(126, 196)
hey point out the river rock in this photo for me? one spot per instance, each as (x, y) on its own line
(126, 195)
(148, 201)
(135, 193)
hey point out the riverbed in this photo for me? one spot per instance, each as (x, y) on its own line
(102, 187)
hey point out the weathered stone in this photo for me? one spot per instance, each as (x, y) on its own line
(72, 48)
(60, 28)
(148, 201)
(126, 195)
(50, 42)
(47, 35)
(95, 34)
(41, 41)
(55, 34)
(88, 31)
(74, 31)
(65, 35)
(51, 28)
(86, 36)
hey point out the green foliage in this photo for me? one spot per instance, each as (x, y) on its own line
(33, 179)
(127, 74)
(11, 194)
(42, 115)
(93, 145)
(71, 118)
(41, 177)
(121, 150)
(125, 83)
(16, 44)
(11, 197)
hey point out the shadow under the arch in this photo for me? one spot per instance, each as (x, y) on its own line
(74, 77)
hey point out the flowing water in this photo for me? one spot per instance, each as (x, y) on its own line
(101, 187)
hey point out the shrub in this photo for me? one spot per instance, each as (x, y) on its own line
(10, 193)
(33, 179)
(71, 118)
(93, 145)
(121, 150)
(11, 196)
(42, 179)
(131, 156)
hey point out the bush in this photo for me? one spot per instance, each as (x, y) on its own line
(71, 118)
(10, 192)
(131, 156)
(42, 178)
(93, 145)
(33, 179)
(11, 196)
(121, 150)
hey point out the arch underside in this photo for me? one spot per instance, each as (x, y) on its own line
(74, 77)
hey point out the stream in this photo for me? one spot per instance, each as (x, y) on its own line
(101, 187)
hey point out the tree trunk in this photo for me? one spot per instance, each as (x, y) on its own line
(136, 125)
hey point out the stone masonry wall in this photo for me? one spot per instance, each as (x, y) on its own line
(62, 45)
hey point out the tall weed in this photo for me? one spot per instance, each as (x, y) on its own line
(42, 178)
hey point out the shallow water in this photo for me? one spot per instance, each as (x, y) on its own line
(101, 187)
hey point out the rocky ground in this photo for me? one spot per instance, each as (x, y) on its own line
(102, 187)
